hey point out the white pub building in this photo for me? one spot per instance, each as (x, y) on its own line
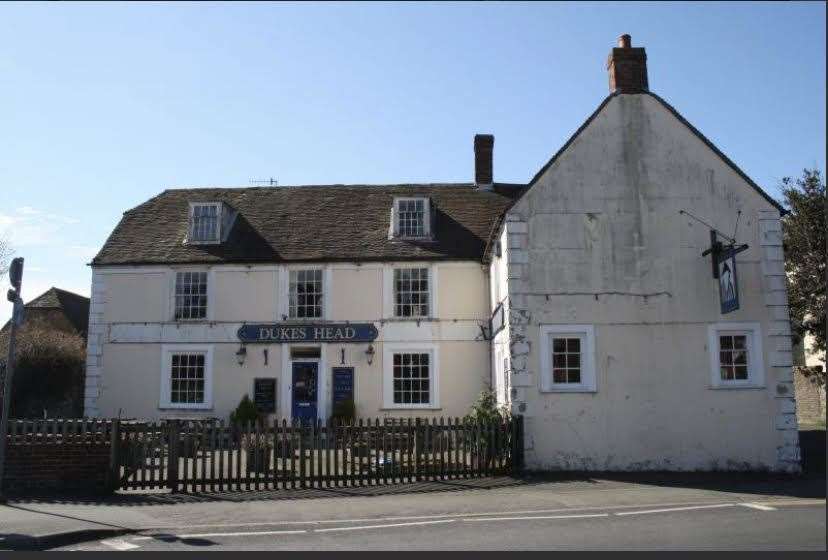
(608, 300)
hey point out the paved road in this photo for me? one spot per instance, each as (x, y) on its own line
(773, 524)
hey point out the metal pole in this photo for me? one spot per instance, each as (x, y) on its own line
(15, 273)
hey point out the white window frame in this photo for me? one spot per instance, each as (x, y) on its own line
(756, 362)
(210, 294)
(283, 304)
(588, 382)
(388, 374)
(389, 287)
(167, 351)
(395, 217)
(324, 295)
(219, 223)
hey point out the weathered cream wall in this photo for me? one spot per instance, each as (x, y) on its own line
(137, 296)
(356, 293)
(134, 324)
(245, 294)
(606, 246)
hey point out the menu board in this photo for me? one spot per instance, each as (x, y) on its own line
(264, 391)
(343, 384)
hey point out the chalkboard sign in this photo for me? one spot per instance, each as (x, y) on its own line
(264, 390)
(343, 384)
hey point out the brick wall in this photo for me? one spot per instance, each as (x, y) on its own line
(810, 398)
(44, 467)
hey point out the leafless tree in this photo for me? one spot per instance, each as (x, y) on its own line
(6, 252)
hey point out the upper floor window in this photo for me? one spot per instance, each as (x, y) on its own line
(306, 293)
(190, 295)
(411, 292)
(411, 218)
(205, 222)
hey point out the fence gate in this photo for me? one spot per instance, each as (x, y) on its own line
(199, 456)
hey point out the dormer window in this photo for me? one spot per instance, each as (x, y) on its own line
(205, 222)
(411, 218)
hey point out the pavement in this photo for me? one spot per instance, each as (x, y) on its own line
(600, 511)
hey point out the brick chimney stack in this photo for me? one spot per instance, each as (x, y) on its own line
(627, 67)
(483, 146)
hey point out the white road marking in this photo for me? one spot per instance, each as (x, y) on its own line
(432, 516)
(240, 534)
(760, 507)
(537, 517)
(119, 544)
(142, 538)
(358, 527)
(665, 510)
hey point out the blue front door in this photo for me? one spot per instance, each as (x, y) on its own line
(305, 377)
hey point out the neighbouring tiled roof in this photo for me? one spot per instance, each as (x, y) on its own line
(308, 223)
(73, 306)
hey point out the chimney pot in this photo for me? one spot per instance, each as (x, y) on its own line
(627, 67)
(483, 147)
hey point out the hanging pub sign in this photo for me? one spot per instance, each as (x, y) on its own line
(724, 270)
(326, 332)
(728, 285)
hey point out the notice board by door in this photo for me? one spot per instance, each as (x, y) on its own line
(343, 385)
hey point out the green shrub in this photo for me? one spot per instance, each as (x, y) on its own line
(245, 412)
(486, 409)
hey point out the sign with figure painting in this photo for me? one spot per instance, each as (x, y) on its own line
(728, 284)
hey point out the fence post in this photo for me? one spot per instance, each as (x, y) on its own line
(114, 455)
(173, 431)
(519, 445)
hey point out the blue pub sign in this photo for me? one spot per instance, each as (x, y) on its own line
(728, 285)
(324, 332)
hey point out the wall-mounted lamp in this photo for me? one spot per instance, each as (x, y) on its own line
(369, 353)
(241, 354)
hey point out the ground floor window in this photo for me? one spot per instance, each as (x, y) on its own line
(567, 358)
(410, 377)
(735, 355)
(186, 377)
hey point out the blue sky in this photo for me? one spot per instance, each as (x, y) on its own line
(104, 105)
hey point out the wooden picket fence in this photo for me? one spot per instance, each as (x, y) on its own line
(210, 456)
(55, 431)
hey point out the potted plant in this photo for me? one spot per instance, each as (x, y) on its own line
(259, 456)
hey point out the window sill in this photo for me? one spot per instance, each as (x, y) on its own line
(410, 320)
(579, 389)
(425, 239)
(398, 408)
(201, 407)
(733, 387)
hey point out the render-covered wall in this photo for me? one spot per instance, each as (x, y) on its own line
(131, 325)
(599, 240)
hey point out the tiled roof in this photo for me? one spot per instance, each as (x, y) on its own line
(308, 223)
(73, 306)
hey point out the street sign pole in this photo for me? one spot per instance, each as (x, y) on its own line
(16, 277)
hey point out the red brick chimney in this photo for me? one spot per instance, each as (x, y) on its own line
(627, 67)
(483, 146)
